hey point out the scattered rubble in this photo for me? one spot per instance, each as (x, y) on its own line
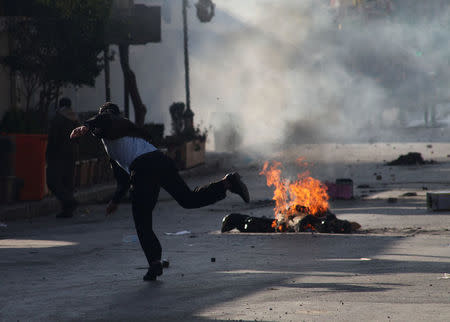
(412, 158)
(130, 239)
(178, 233)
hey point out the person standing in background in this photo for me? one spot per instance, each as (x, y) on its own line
(61, 155)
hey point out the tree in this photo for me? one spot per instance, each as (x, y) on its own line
(56, 43)
(130, 80)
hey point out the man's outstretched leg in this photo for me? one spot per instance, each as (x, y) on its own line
(204, 195)
(165, 173)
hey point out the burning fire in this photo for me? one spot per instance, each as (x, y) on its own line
(297, 198)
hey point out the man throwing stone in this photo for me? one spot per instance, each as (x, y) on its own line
(143, 169)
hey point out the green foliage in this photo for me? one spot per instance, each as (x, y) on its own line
(74, 32)
(196, 134)
(58, 43)
(176, 113)
(181, 132)
(20, 121)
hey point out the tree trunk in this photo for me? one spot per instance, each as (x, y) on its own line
(130, 79)
(107, 73)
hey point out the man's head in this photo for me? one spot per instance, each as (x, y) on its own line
(109, 108)
(65, 102)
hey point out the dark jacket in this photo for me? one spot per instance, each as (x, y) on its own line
(60, 146)
(111, 127)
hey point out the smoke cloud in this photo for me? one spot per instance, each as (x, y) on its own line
(293, 72)
(269, 73)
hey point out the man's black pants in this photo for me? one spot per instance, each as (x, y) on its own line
(60, 180)
(151, 171)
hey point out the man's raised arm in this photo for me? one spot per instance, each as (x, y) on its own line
(79, 131)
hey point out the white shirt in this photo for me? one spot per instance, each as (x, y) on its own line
(125, 150)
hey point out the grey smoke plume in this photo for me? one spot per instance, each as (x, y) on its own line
(266, 73)
(288, 73)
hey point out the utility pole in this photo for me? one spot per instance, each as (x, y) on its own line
(107, 74)
(126, 91)
(205, 12)
(186, 56)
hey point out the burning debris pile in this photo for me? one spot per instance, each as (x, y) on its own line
(300, 205)
(295, 199)
(309, 223)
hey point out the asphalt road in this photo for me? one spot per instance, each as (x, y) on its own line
(90, 267)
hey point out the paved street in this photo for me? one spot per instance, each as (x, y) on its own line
(90, 267)
(348, 100)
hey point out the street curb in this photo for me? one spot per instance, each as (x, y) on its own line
(49, 205)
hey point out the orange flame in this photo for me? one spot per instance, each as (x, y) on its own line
(274, 224)
(291, 197)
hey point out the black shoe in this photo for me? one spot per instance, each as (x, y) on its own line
(154, 270)
(68, 209)
(73, 205)
(237, 186)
